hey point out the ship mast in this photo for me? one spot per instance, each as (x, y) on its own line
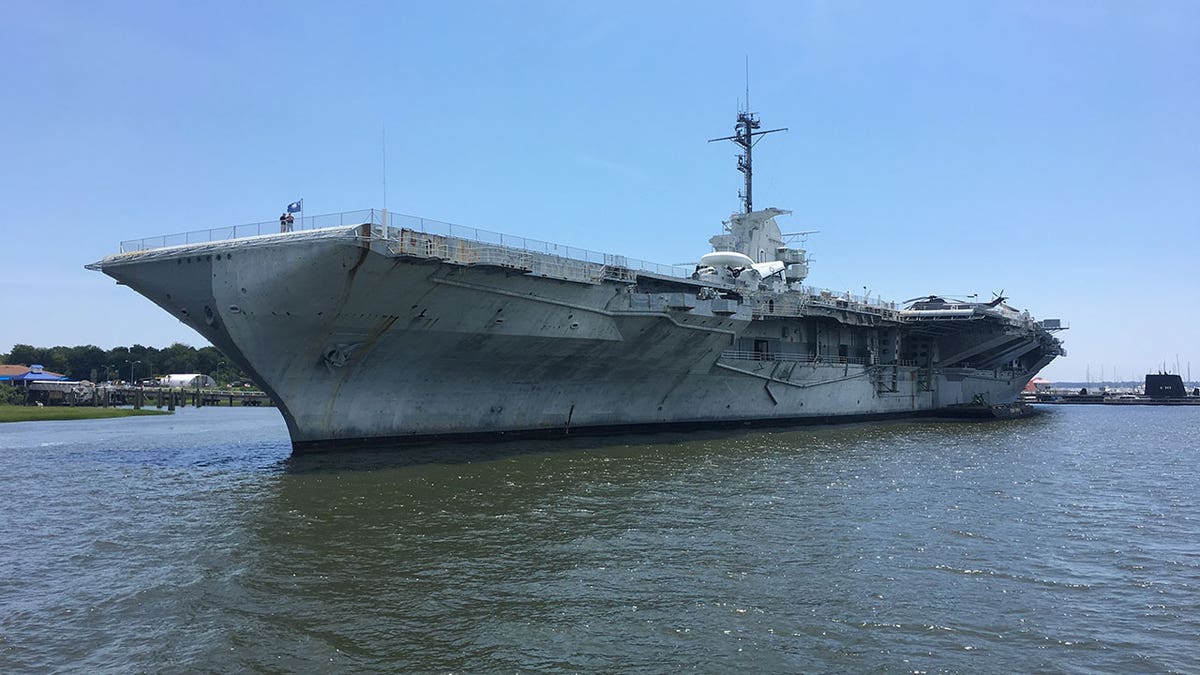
(746, 137)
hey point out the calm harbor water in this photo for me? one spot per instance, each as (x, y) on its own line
(1069, 542)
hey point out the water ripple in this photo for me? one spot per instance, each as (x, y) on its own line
(1060, 543)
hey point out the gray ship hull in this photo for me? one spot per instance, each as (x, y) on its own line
(381, 335)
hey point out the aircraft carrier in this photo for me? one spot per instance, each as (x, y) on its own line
(371, 328)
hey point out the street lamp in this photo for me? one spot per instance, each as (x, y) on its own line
(131, 365)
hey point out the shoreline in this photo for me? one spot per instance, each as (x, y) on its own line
(31, 413)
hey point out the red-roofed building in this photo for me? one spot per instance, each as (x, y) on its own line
(1038, 384)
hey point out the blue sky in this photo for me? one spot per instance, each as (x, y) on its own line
(1048, 149)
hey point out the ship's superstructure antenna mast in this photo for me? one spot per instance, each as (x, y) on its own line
(747, 82)
(745, 135)
(383, 149)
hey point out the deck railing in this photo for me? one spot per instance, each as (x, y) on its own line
(373, 216)
(509, 241)
(809, 296)
(397, 220)
(739, 355)
(809, 357)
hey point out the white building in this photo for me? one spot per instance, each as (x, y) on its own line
(187, 380)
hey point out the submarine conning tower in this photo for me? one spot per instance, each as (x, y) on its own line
(1164, 385)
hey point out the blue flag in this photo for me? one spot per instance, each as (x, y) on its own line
(295, 206)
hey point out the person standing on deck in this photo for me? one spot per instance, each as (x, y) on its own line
(289, 221)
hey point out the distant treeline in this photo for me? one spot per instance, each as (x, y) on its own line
(89, 362)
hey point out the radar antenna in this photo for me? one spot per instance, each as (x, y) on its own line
(746, 137)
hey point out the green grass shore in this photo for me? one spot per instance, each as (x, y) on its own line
(32, 413)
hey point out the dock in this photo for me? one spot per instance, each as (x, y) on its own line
(1102, 399)
(171, 397)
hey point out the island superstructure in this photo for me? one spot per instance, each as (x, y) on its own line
(379, 329)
